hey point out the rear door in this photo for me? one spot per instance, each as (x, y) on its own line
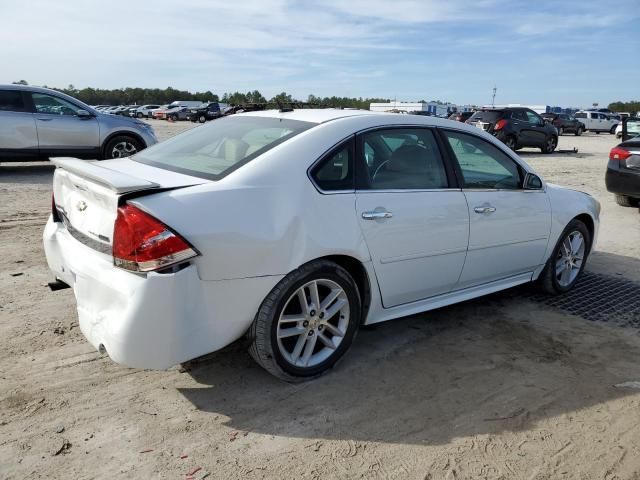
(18, 135)
(509, 226)
(414, 219)
(60, 130)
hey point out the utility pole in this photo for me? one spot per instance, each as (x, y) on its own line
(493, 99)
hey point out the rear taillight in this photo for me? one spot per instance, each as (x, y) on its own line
(500, 124)
(620, 154)
(142, 243)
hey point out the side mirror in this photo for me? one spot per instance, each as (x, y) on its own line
(532, 182)
(83, 114)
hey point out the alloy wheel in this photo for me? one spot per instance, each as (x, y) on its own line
(570, 258)
(123, 149)
(313, 323)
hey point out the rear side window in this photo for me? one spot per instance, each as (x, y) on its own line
(11, 101)
(402, 159)
(581, 115)
(215, 150)
(335, 171)
(483, 165)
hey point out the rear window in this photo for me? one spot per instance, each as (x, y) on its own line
(486, 116)
(215, 150)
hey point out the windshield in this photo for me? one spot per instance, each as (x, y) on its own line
(486, 116)
(221, 147)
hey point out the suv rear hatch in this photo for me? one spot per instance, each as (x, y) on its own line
(86, 194)
(485, 119)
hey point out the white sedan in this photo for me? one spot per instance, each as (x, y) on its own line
(296, 227)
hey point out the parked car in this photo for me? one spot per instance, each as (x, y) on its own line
(517, 127)
(597, 121)
(177, 113)
(160, 113)
(144, 111)
(257, 223)
(38, 122)
(628, 128)
(207, 111)
(460, 116)
(623, 172)
(565, 123)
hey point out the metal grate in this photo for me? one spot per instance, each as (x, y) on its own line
(599, 298)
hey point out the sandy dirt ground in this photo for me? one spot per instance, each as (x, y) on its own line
(497, 388)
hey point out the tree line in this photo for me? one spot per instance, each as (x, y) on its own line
(631, 107)
(145, 96)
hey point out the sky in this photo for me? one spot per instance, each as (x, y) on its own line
(560, 52)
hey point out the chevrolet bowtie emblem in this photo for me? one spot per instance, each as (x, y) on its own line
(81, 205)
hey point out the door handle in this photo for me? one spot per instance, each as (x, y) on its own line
(484, 209)
(375, 215)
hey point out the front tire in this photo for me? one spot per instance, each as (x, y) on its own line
(202, 119)
(560, 131)
(550, 145)
(566, 263)
(307, 322)
(511, 142)
(122, 146)
(579, 131)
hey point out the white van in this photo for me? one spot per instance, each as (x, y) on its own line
(597, 121)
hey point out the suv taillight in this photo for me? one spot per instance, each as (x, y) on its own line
(500, 124)
(619, 154)
(142, 243)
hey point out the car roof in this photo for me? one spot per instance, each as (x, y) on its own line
(313, 115)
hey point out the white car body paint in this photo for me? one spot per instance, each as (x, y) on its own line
(267, 218)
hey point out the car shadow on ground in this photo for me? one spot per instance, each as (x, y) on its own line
(555, 154)
(36, 173)
(488, 365)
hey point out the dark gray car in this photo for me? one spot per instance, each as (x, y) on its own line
(39, 122)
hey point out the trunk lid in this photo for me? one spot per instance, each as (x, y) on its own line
(87, 193)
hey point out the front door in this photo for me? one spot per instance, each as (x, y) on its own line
(535, 128)
(416, 226)
(509, 226)
(60, 130)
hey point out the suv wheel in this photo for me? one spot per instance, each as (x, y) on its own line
(139, 115)
(625, 201)
(174, 117)
(579, 131)
(202, 119)
(511, 142)
(550, 145)
(307, 322)
(613, 130)
(122, 146)
(560, 131)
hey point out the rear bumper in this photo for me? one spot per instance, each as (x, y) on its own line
(154, 320)
(623, 182)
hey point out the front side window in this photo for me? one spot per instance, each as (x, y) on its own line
(404, 159)
(594, 115)
(483, 165)
(215, 150)
(533, 118)
(519, 115)
(335, 172)
(11, 101)
(53, 105)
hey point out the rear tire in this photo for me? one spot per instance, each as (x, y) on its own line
(174, 118)
(625, 201)
(613, 130)
(511, 142)
(551, 279)
(291, 340)
(139, 115)
(579, 131)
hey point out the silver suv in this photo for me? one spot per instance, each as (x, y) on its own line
(39, 122)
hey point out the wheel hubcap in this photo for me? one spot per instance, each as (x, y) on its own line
(123, 149)
(570, 258)
(313, 323)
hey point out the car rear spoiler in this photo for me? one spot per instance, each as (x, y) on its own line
(95, 171)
